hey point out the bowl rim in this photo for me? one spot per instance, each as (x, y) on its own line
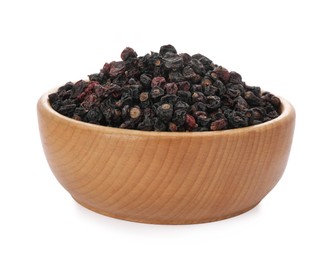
(286, 111)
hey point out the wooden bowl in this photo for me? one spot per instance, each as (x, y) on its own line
(164, 177)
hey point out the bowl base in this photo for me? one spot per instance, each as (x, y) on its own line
(165, 222)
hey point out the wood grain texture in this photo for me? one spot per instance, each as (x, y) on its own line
(166, 178)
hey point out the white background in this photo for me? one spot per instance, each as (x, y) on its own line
(278, 45)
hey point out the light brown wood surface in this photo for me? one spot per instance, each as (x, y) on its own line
(167, 178)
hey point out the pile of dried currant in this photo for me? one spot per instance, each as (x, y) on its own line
(165, 91)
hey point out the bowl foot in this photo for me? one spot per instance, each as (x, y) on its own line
(164, 222)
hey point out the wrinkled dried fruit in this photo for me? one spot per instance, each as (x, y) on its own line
(165, 91)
